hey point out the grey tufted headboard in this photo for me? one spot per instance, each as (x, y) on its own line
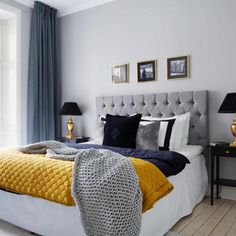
(163, 105)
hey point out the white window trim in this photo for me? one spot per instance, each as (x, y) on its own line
(18, 14)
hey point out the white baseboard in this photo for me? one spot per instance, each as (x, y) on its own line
(225, 192)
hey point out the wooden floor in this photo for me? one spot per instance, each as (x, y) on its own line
(217, 220)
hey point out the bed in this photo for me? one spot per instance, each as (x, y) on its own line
(48, 218)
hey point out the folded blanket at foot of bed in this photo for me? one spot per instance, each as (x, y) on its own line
(39, 176)
(106, 190)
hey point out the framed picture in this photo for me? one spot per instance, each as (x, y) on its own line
(146, 71)
(120, 73)
(178, 67)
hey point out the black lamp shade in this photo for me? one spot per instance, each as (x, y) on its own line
(229, 104)
(70, 108)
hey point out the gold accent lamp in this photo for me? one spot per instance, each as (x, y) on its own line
(70, 109)
(229, 106)
(233, 129)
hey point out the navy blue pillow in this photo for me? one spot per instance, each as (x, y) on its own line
(121, 131)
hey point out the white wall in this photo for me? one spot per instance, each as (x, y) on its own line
(23, 34)
(136, 30)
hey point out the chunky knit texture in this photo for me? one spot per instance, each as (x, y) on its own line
(52, 149)
(105, 188)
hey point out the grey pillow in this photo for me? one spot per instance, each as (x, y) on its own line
(147, 136)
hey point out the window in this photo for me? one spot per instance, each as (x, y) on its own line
(8, 80)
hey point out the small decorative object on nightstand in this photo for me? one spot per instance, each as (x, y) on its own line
(218, 150)
(229, 106)
(70, 108)
(73, 140)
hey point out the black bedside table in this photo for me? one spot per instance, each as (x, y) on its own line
(223, 151)
(73, 140)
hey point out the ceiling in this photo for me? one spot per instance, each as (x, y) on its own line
(66, 7)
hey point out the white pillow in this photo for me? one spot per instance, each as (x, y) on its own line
(162, 133)
(99, 133)
(180, 130)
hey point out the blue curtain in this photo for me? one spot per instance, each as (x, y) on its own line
(43, 81)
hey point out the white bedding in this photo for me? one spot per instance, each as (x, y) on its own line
(190, 151)
(48, 218)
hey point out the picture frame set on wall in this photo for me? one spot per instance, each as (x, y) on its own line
(120, 73)
(177, 68)
(147, 71)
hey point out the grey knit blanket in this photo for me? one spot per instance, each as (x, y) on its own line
(105, 188)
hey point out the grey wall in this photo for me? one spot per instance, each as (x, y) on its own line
(136, 30)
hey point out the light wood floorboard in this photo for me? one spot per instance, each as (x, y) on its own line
(226, 223)
(188, 219)
(216, 220)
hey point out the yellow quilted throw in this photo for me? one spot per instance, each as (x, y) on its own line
(50, 179)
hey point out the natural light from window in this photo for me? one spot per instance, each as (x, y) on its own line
(8, 78)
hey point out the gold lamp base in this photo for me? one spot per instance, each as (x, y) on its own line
(70, 128)
(233, 129)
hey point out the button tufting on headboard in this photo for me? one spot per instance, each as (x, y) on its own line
(163, 105)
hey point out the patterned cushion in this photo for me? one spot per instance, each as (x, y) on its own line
(36, 175)
(121, 131)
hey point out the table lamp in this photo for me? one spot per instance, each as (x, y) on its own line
(229, 106)
(70, 109)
